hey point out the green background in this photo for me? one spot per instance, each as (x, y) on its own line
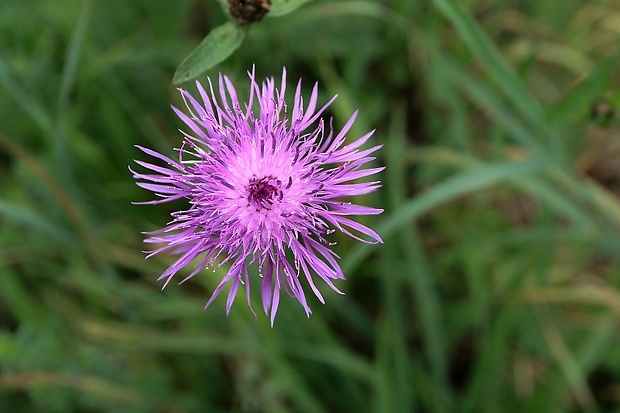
(496, 289)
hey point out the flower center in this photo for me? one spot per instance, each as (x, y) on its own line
(263, 192)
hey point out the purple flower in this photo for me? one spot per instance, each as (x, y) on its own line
(264, 189)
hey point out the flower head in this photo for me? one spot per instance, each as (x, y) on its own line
(264, 189)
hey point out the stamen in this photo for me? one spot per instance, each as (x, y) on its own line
(264, 192)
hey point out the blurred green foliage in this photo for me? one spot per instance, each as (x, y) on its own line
(496, 289)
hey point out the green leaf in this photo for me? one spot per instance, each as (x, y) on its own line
(500, 70)
(464, 183)
(283, 7)
(214, 49)
(21, 214)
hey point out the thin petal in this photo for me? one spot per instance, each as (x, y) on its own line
(266, 288)
(275, 301)
(338, 220)
(232, 293)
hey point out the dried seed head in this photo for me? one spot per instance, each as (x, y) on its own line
(248, 11)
